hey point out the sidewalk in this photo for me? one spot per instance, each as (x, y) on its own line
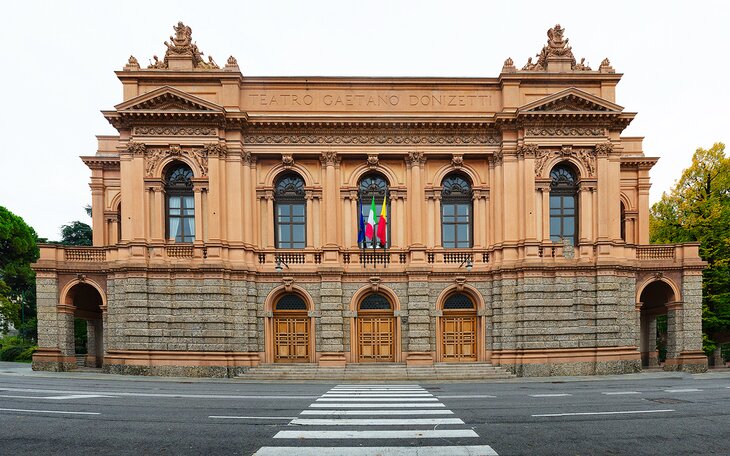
(24, 370)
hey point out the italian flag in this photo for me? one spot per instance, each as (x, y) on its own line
(382, 221)
(370, 225)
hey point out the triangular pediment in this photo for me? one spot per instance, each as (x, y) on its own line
(571, 100)
(168, 99)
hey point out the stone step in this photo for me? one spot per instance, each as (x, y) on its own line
(376, 371)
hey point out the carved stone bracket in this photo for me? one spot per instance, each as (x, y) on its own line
(372, 161)
(288, 283)
(457, 160)
(460, 281)
(374, 283)
(287, 160)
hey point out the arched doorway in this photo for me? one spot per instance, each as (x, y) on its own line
(657, 341)
(458, 329)
(291, 330)
(87, 305)
(375, 329)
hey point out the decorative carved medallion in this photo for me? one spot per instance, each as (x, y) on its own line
(287, 160)
(457, 160)
(330, 159)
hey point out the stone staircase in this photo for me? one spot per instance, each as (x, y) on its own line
(377, 372)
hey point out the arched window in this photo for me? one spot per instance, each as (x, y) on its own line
(623, 221)
(375, 301)
(180, 203)
(456, 212)
(458, 301)
(563, 204)
(290, 210)
(374, 187)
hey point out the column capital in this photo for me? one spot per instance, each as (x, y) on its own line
(330, 159)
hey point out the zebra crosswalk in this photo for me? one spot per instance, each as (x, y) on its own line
(367, 414)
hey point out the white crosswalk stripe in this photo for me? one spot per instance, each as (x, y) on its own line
(407, 412)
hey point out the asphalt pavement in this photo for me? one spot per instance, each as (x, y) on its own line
(82, 413)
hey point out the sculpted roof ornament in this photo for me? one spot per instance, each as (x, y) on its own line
(181, 47)
(556, 50)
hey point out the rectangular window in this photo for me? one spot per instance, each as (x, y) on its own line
(290, 226)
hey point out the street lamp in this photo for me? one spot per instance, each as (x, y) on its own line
(468, 263)
(279, 262)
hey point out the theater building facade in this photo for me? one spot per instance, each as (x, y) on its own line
(226, 220)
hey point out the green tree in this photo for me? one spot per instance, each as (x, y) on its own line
(698, 209)
(18, 249)
(76, 233)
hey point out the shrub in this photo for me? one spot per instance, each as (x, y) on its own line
(11, 353)
(27, 354)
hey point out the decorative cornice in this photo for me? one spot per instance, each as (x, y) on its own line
(96, 162)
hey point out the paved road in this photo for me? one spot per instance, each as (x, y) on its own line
(89, 413)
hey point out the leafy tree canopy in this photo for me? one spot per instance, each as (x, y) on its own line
(18, 250)
(697, 208)
(76, 233)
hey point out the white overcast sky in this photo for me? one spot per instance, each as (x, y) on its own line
(58, 58)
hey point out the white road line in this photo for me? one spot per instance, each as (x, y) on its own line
(374, 421)
(619, 393)
(686, 390)
(224, 417)
(376, 405)
(171, 395)
(406, 434)
(376, 399)
(394, 390)
(626, 412)
(551, 395)
(48, 411)
(377, 395)
(75, 396)
(468, 396)
(376, 412)
(384, 385)
(467, 450)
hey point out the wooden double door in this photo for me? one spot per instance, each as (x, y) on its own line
(459, 337)
(376, 338)
(291, 338)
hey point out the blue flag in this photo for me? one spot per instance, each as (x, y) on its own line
(361, 229)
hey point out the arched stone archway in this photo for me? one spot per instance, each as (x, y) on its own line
(289, 333)
(657, 303)
(84, 303)
(375, 326)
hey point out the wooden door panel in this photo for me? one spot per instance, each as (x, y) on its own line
(459, 338)
(291, 339)
(376, 339)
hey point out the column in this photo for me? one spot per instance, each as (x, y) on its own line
(249, 193)
(97, 213)
(416, 196)
(329, 161)
(349, 226)
(585, 207)
(198, 197)
(354, 208)
(675, 333)
(268, 220)
(310, 218)
(158, 214)
(432, 221)
(651, 349)
(401, 218)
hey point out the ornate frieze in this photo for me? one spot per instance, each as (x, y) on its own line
(566, 131)
(365, 138)
(174, 131)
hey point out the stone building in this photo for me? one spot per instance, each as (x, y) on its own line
(226, 217)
